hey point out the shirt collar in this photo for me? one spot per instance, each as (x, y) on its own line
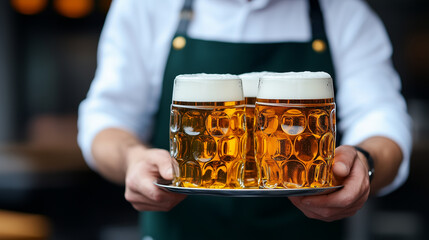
(255, 3)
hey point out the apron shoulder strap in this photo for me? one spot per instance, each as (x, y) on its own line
(317, 21)
(185, 17)
(316, 18)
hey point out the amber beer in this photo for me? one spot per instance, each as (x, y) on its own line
(207, 131)
(250, 90)
(295, 130)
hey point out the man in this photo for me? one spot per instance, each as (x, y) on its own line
(123, 123)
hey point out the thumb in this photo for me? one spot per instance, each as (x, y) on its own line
(167, 173)
(343, 161)
(164, 163)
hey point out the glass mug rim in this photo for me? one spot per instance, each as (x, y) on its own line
(296, 85)
(202, 87)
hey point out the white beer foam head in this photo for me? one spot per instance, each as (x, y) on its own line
(251, 82)
(296, 85)
(203, 87)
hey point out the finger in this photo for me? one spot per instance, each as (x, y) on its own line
(328, 214)
(344, 202)
(141, 202)
(163, 162)
(145, 186)
(334, 209)
(154, 193)
(316, 206)
(295, 201)
(144, 207)
(140, 176)
(343, 161)
(352, 191)
(356, 186)
(332, 214)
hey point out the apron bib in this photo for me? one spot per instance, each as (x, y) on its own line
(207, 217)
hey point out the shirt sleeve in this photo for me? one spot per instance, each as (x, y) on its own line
(368, 95)
(120, 95)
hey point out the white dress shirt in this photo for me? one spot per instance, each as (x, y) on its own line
(136, 40)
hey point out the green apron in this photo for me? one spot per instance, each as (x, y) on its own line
(207, 217)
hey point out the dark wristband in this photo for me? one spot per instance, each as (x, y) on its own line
(369, 160)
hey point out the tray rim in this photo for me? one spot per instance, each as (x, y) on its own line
(247, 192)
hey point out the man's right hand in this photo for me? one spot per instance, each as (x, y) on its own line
(144, 166)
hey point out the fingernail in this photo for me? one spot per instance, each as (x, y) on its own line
(342, 167)
(169, 172)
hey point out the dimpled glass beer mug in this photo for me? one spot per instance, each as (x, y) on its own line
(250, 89)
(207, 131)
(295, 130)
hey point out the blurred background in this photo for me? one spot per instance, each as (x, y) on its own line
(47, 61)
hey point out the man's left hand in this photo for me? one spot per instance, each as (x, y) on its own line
(349, 169)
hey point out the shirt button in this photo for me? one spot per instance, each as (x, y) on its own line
(319, 45)
(179, 42)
